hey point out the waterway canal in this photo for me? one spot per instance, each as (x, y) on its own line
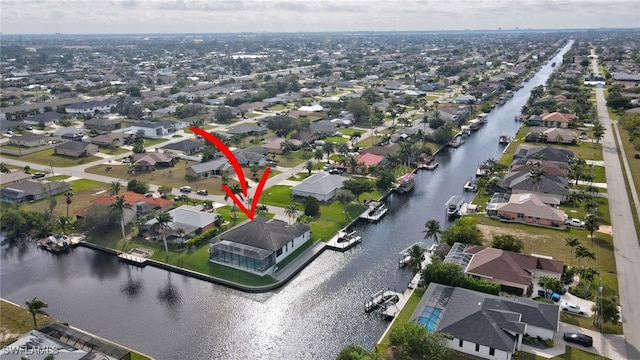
(170, 316)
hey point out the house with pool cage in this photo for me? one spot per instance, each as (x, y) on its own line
(258, 245)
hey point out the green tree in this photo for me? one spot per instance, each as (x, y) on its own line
(359, 109)
(413, 341)
(584, 253)
(164, 190)
(118, 206)
(163, 219)
(416, 257)
(358, 186)
(356, 352)
(571, 242)
(507, 242)
(432, 230)
(592, 223)
(26, 169)
(345, 197)
(68, 195)
(254, 171)
(292, 211)
(223, 114)
(550, 283)
(385, 179)
(35, 307)
(443, 134)
(236, 189)
(597, 131)
(137, 186)
(115, 188)
(464, 230)
(311, 206)
(4, 168)
(309, 167)
(605, 310)
(443, 273)
(318, 154)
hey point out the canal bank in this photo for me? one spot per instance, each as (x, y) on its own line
(177, 316)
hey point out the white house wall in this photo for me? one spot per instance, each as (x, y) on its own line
(297, 242)
(534, 331)
(469, 347)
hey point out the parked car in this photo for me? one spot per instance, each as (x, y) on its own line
(202, 192)
(574, 222)
(571, 307)
(38, 175)
(327, 167)
(185, 189)
(549, 295)
(148, 195)
(578, 338)
(126, 160)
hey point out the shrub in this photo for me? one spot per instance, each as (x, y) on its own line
(482, 286)
(205, 236)
(513, 290)
(311, 206)
(549, 343)
(580, 292)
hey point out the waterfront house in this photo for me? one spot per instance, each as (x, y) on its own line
(322, 186)
(549, 186)
(193, 220)
(483, 325)
(258, 245)
(545, 153)
(530, 209)
(138, 205)
(75, 149)
(557, 119)
(32, 191)
(508, 269)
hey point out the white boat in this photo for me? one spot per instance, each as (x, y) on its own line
(470, 185)
(453, 206)
(406, 183)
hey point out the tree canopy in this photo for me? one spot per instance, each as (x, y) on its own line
(358, 186)
(464, 230)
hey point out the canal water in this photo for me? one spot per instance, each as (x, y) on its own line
(320, 311)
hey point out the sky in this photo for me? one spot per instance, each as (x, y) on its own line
(230, 16)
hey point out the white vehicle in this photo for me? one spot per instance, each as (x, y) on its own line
(571, 307)
(574, 222)
(185, 189)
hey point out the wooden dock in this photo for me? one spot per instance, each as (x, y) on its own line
(132, 259)
(344, 241)
(382, 300)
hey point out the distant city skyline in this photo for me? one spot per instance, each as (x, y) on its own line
(232, 16)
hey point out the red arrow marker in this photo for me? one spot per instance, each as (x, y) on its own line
(250, 213)
(238, 169)
(227, 152)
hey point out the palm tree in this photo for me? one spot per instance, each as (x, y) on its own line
(345, 197)
(598, 131)
(119, 205)
(576, 168)
(432, 230)
(353, 163)
(68, 195)
(161, 226)
(318, 154)
(591, 223)
(115, 188)
(571, 243)
(236, 190)
(4, 168)
(27, 169)
(63, 222)
(582, 252)
(536, 174)
(308, 166)
(35, 306)
(416, 257)
(291, 210)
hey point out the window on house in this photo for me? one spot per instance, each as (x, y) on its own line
(460, 342)
(477, 347)
(520, 216)
(492, 351)
(279, 252)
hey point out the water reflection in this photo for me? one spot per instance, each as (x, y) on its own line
(133, 288)
(103, 266)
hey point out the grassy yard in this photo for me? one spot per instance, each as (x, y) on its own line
(634, 167)
(332, 219)
(584, 150)
(56, 178)
(294, 158)
(45, 156)
(151, 142)
(174, 177)
(277, 195)
(17, 320)
(83, 192)
(571, 353)
(116, 151)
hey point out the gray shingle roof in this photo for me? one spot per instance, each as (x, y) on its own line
(263, 233)
(320, 183)
(485, 319)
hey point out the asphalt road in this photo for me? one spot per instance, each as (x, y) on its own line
(625, 238)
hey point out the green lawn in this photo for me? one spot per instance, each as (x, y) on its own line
(252, 115)
(84, 184)
(56, 178)
(151, 142)
(332, 218)
(45, 156)
(16, 321)
(116, 151)
(294, 158)
(277, 195)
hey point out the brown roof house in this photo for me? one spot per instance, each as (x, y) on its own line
(76, 149)
(152, 161)
(557, 119)
(29, 140)
(505, 268)
(258, 246)
(530, 209)
(109, 140)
